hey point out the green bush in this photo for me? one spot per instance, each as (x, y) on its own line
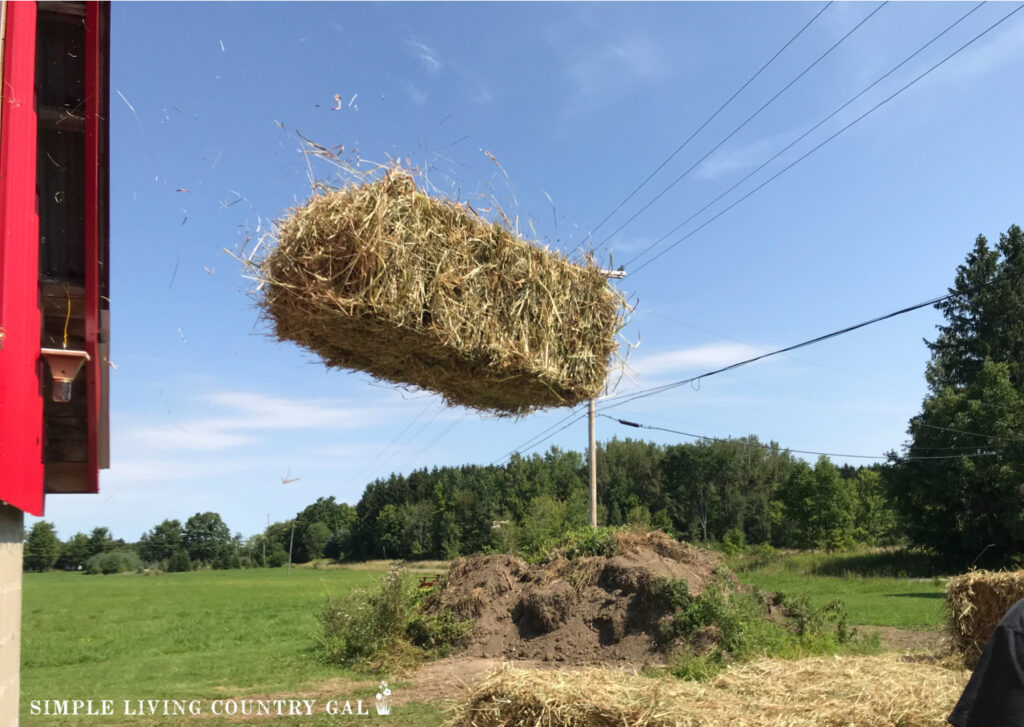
(734, 542)
(386, 627)
(277, 556)
(116, 561)
(588, 542)
(438, 634)
(746, 628)
(668, 594)
(698, 667)
(179, 562)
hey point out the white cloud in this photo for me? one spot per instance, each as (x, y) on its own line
(426, 56)
(418, 95)
(707, 356)
(248, 412)
(139, 471)
(269, 412)
(1007, 46)
(596, 73)
(733, 159)
(482, 95)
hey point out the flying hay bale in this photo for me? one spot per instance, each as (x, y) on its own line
(876, 691)
(425, 292)
(977, 602)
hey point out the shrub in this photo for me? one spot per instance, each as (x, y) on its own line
(385, 627)
(438, 633)
(746, 628)
(588, 542)
(277, 556)
(116, 561)
(699, 667)
(734, 542)
(179, 562)
(668, 594)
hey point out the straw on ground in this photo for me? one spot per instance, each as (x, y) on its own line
(876, 691)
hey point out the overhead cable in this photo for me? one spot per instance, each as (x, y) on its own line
(745, 122)
(806, 133)
(711, 118)
(867, 113)
(637, 425)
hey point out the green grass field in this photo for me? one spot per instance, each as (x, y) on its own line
(213, 635)
(907, 603)
(203, 635)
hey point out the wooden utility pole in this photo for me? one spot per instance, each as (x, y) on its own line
(591, 418)
(291, 543)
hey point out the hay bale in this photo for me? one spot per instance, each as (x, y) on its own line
(977, 602)
(425, 292)
(876, 691)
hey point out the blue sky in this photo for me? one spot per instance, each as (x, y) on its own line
(578, 103)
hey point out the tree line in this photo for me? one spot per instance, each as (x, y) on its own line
(701, 492)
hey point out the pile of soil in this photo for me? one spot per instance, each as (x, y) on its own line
(582, 611)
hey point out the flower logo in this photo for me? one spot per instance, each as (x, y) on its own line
(383, 699)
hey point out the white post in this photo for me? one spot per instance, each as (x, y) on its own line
(11, 534)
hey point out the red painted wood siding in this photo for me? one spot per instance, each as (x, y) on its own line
(21, 403)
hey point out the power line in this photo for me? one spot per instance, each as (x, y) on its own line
(806, 133)
(745, 122)
(363, 472)
(621, 399)
(637, 425)
(410, 440)
(678, 322)
(973, 434)
(539, 438)
(643, 393)
(785, 169)
(433, 442)
(711, 118)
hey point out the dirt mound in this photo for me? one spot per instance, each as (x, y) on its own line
(585, 610)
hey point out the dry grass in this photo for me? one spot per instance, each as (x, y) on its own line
(425, 292)
(977, 602)
(877, 691)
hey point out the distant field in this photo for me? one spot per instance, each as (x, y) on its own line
(202, 635)
(908, 603)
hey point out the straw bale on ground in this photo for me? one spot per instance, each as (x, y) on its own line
(977, 602)
(425, 292)
(875, 691)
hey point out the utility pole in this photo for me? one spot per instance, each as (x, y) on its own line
(591, 416)
(591, 419)
(291, 542)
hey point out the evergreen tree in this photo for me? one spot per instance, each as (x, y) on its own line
(75, 552)
(42, 547)
(179, 562)
(100, 541)
(163, 540)
(972, 417)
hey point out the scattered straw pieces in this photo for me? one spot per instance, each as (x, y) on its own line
(977, 602)
(419, 291)
(875, 691)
